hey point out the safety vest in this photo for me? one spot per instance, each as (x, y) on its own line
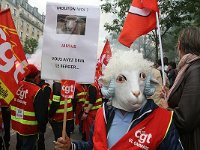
(22, 109)
(148, 134)
(98, 103)
(81, 94)
(58, 116)
(3, 103)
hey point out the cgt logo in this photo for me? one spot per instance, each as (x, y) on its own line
(143, 136)
(67, 89)
(8, 62)
(22, 93)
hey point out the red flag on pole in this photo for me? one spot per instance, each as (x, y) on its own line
(140, 20)
(12, 58)
(106, 53)
(103, 60)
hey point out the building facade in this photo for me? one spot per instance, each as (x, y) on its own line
(28, 21)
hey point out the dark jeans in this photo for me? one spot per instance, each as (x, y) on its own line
(6, 121)
(40, 142)
(58, 126)
(26, 142)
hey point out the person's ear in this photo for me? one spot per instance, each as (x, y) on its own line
(179, 49)
(178, 45)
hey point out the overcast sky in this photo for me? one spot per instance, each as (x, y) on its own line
(41, 4)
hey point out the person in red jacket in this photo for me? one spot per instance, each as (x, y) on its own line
(80, 98)
(80, 95)
(92, 104)
(27, 111)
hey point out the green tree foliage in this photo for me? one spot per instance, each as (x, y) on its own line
(30, 45)
(120, 9)
(174, 15)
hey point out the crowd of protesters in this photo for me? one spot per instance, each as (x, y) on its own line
(36, 103)
(182, 98)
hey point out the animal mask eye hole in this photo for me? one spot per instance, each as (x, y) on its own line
(142, 75)
(121, 78)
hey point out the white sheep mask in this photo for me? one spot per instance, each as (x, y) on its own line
(129, 70)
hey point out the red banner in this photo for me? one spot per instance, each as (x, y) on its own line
(12, 58)
(140, 20)
(103, 60)
(68, 88)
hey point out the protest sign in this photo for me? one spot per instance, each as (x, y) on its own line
(70, 42)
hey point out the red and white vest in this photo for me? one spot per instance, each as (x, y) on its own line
(98, 103)
(58, 116)
(3, 103)
(22, 109)
(147, 135)
(81, 95)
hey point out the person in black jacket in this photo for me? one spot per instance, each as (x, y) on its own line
(171, 73)
(46, 95)
(54, 105)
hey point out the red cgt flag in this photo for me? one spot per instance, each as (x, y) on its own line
(12, 58)
(140, 20)
(103, 60)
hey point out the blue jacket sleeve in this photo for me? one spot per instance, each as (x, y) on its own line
(82, 145)
(172, 140)
(109, 91)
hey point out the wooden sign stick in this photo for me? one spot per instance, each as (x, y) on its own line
(68, 88)
(64, 120)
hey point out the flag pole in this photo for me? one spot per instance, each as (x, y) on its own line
(161, 49)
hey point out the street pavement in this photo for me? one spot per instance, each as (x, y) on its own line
(49, 138)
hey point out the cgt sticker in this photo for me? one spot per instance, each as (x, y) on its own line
(68, 88)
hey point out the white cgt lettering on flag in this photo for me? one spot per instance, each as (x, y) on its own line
(9, 62)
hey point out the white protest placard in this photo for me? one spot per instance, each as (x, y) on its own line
(70, 42)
